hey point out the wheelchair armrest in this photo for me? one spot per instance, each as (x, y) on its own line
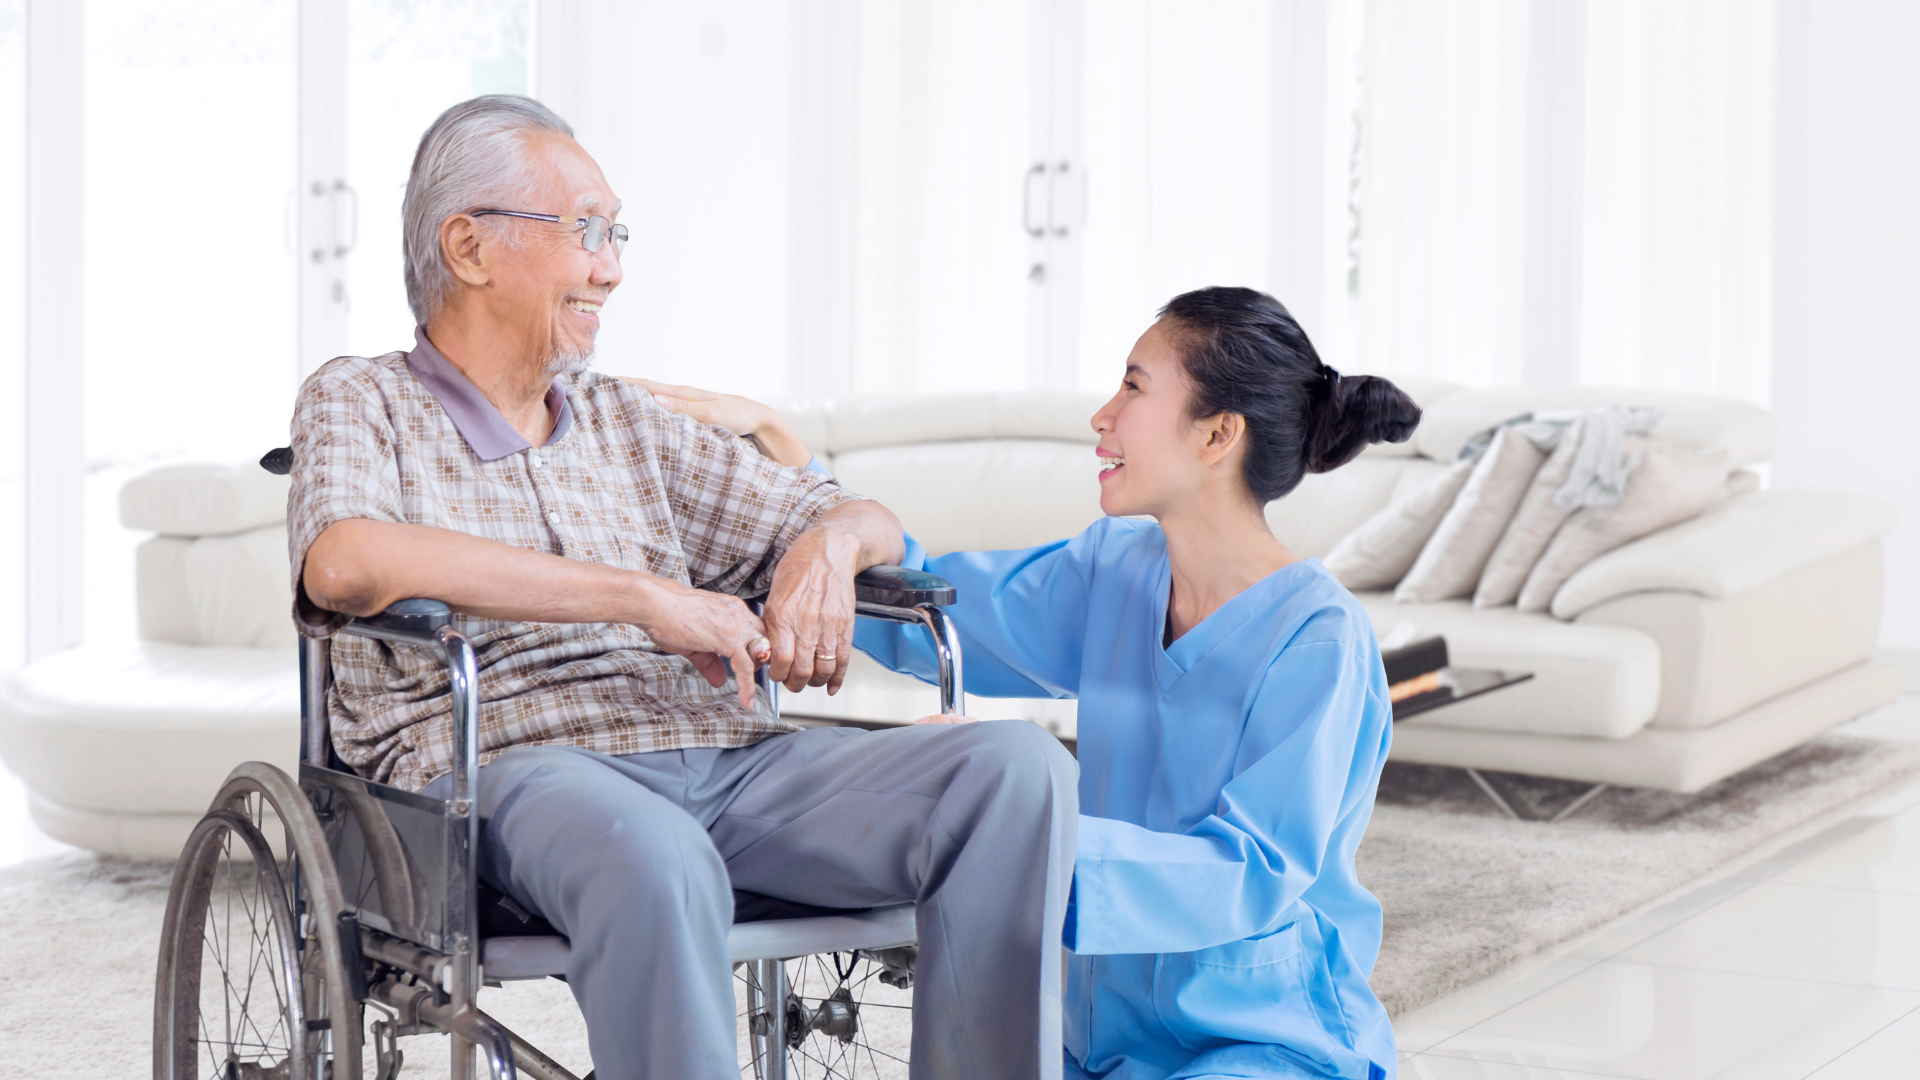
(407, 620)
(896, 586)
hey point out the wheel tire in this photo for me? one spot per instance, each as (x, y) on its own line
(819, 1042)
(232, 904)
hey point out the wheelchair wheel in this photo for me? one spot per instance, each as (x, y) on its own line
(833, 1016)
(251, 984)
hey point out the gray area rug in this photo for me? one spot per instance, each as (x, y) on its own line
(1467, 891)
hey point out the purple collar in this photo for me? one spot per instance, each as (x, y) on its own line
(488, 434)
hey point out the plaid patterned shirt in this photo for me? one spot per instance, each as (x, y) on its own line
(404, 437)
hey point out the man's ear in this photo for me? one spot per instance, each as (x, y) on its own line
(460, 243)
(1221, 433)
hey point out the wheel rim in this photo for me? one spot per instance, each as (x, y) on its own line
(329, 1030)
(236, 1007)
(835, 1007)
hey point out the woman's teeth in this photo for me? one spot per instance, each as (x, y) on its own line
(1108, 464)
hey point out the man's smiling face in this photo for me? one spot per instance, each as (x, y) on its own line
(547, 284)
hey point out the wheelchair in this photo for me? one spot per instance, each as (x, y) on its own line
(269, 956)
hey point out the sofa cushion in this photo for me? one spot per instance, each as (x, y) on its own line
(1378, 552)
(980, 494)
(1669, 484)
(835, 427)
(216, 590)
(1325, 507)
(1593, 681)
(204, 499)
(1734, 545)
(147, 728)
(1534, 522)
(1450, 563)
(1744, 431)
(1722, 656)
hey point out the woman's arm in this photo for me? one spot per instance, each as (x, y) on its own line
(745, 417)
(1308, 763)
(1022, 617)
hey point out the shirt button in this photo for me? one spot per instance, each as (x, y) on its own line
(538, 462)
(553, 518)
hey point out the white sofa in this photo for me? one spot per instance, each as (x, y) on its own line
(121, 748)
(1670, 662)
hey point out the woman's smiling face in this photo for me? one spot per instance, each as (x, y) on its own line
(1149, 446)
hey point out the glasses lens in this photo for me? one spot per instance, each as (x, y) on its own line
(596, 233)
(619, 234)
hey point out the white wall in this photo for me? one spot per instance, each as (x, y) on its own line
(1847, 379)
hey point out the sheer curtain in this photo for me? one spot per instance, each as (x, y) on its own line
(1436, 277)
(940, 289)
(1678, 223)
(1673, 224)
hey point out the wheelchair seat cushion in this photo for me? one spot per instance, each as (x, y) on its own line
(503, 916)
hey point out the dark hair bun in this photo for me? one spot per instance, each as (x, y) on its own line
(1359, 410)
(1245, 354)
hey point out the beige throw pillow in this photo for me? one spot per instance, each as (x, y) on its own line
(1377, 554)
(1669, 485)
(1533, 525)
(1452, 559)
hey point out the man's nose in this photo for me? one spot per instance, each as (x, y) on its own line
(606, 266)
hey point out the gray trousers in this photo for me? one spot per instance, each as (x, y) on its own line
(634, 859)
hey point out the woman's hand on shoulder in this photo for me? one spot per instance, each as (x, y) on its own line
(741, 415)
(947, 718)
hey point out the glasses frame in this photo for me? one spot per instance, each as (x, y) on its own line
(608, 230)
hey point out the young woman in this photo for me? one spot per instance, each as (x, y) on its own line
(1233, 710)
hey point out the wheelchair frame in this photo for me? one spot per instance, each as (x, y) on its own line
(393, 874)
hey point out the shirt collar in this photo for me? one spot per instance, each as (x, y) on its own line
(488, 434)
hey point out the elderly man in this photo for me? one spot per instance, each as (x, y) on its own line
(595, 546)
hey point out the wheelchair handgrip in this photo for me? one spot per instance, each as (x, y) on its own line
(896, 586)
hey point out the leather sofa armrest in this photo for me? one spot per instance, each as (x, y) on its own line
(1736, 545)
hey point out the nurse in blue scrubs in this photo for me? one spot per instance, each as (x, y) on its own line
(1233, 710)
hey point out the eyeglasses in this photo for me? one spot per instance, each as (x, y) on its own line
(594, 230)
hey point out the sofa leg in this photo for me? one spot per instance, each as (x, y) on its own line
(1494, 794)
(1576, 804)
(1500, 800)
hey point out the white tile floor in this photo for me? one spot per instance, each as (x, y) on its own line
(1801, 960)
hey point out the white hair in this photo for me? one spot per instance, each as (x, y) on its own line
(473, 157)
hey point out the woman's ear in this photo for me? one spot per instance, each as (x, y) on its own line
(1221, 434)
(460, 241)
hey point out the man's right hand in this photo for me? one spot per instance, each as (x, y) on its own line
(707, 628)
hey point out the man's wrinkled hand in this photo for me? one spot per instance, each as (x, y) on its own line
(810, 611)
(711, 629)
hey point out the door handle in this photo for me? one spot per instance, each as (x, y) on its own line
(344, 239)
(1061, 172)
(1037, 172)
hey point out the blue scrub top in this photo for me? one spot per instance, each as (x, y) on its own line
(1217, 925)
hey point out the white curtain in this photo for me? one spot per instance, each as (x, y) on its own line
(1677, 256)
(1176, 142)
(940, 299)
(1674, 223)
(1436, 277)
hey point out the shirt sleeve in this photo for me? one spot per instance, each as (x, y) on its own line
(1316, 718)
(1022, 617)
(736, 510)
(344, 468)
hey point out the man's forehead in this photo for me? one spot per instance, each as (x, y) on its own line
(575, 178)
